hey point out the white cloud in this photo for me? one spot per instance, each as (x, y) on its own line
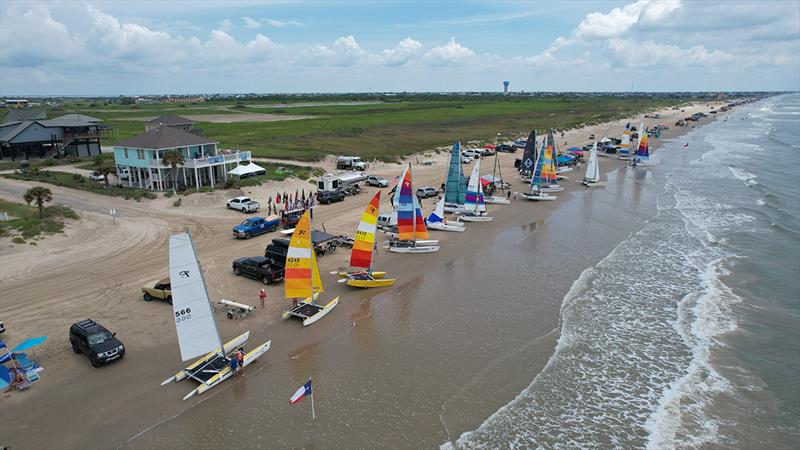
(225, 25)
(30, 36)
(450, 54)
(345, 51)
(282, 23)
(652, 54)
(620, 20)
(249, 22)
(402, 53)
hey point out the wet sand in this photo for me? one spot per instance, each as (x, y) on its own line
(376, 359)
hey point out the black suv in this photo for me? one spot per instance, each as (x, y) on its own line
(329, 196)
(276, 252)
(258, 267)
(95, 340)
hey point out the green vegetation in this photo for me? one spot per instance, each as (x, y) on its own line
(28, 223)
(387, 130)
(39, 195)
(71, 181)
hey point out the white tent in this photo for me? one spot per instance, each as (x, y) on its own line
(250, 170)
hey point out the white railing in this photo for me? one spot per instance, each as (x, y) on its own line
(206, 161)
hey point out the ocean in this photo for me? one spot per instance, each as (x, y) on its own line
(687, 335)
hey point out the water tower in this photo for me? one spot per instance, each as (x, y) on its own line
(505, 87)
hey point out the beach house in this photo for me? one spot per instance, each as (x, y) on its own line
(70, 134)
(169, 120)
(139, 160)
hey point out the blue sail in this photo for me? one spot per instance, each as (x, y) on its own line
(456, 185)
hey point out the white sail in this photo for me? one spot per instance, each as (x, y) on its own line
(592, 170)
(471, 202)
(193, 315)
(480, 207)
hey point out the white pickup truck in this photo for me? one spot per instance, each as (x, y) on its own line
(244, 204)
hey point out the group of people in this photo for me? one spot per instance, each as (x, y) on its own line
(237, 363)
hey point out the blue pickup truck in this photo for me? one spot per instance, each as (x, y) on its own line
(254, 226)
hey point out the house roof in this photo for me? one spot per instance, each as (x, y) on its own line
(66, 123)
(80, 117)
(9, 130)
(164, 137)
(14, 115)
(169, 119)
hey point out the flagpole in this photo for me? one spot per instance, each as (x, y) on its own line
(313, 415)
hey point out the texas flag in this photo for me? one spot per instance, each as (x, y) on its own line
(301, 392)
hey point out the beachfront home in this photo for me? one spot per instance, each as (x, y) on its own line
(20, 114)
(71, 134)
(176, 122)
(139, 160)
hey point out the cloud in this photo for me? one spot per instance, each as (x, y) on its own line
(249, 22)
(31, 36)
(620, 20)
(651, 54)
(402, 53)
(345, 51)
(450, 54)
(282, 24)
(225, 25)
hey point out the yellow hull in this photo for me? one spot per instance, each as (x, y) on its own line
(371, 283)
(376, 275)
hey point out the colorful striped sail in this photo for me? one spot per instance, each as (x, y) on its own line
(643, 152)
(481, 206)
(364, 241)
(471, 199)
(625, 145)
(455, 187)
(420, 230)
(405, 207)
(302, 273)
(548, 165)
(536, 179)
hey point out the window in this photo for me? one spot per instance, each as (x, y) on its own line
(126, 153)
(140, 153)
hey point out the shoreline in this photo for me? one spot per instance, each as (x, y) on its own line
(289, 342)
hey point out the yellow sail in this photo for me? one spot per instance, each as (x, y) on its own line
(302, 274)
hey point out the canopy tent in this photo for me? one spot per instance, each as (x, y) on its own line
(250, 170)
(564, 159)
(489, 146)
(573, 149)
(28, 343)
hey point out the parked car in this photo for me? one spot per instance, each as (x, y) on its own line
(466, 159)
(330, 196)
(374, 180)
(95, 176)
(472, 153)
(244, 204)
(253, 226)
(276, 251)
(384, 220)
(124, 174)
(101, 345)
(426, 191)
(158, 289)
(258, 267)
(506, 148)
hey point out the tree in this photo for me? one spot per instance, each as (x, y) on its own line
(104, 167)
(173, 158)
(39, 195)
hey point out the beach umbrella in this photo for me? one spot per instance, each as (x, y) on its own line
(28, 343)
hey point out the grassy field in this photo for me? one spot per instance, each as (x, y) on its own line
(385, 131)
(27, 223)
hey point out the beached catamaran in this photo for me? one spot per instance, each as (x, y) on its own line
(455, 188)
(592, 177)
(543, 174)
(437, 221)
(625, 146)
(412, 235)
(302, 280)
(475, 204)
(195, 324)
(642, 156)
(363, 254)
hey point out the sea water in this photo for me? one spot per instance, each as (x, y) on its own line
(687, 335)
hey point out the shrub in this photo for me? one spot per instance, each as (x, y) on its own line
(18, 240)
(230, 184)
(168, 194)
(177, 203)
(49, 162)
(78, 178)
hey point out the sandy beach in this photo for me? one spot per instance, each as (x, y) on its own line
(97, 267)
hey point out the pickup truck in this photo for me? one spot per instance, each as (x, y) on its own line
(244, 204)
(258, 267)
(253, 226)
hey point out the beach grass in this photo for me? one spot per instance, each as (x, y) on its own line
(27, 224)
(77, 181)
(387, 131)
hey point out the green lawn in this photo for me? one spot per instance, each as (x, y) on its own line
(28, 224)
(387, 131)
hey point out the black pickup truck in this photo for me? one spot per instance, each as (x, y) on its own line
(258, 267)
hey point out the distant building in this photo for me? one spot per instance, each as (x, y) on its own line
(19, 103)
(183, 100)
(176, 122)
(19, 114)
(505, 87)
(72, 134)
(140, 157)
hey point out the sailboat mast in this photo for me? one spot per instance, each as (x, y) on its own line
(413, 203)
(216, 330)
(313, 255)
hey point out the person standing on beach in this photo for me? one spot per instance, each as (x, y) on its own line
(262, 296)
(508, 196)
(240, 359)
(235, 366)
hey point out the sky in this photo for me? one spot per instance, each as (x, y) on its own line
(134, 47)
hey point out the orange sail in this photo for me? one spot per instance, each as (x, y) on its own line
(364, 241)
(302, 274)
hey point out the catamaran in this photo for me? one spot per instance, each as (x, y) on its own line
(592, 177)
(497, 182)
(437, 221)
(541, 177)
(625, 146)
(412, 233)
(302, 278)
(642, 156)
(455, 187)
(195, 324)
(363, 254)
(475, 204)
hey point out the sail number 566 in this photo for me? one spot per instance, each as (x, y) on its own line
(183, 315)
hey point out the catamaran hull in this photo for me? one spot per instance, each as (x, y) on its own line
(551, 189)
(452, 208)
(426, 249)
(226, 373)
(476, 218)
(322, 313)
(591, 184)
(440, 226)
(537, 197)
(635, 163)
(376, 274)
(229, 347)
(373, 283)
(498, 200)
(563, 170)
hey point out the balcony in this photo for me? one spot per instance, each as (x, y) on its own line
(206, 161)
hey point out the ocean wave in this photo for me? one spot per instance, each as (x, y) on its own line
(741, 174)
